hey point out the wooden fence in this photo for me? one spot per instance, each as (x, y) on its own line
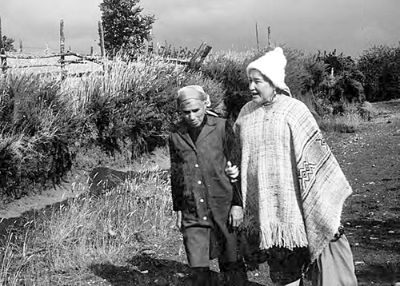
(66, 58)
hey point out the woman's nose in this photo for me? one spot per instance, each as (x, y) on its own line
(251, 85)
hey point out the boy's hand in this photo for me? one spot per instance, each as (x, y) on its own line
(179, 220)
(235, 216)
(232, 171)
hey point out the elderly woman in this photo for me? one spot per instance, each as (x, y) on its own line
(293, 188)
(207, 203)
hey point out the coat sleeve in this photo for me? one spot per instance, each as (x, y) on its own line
(176, 177)
(233, 154)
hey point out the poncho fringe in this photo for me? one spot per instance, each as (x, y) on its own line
(288, 236)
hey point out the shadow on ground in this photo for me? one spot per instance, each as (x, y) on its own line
(103, 178)
(384, 274)
(99, 180)
(376, 246)
(146, 270)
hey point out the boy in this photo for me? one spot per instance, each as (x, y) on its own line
(207, 203)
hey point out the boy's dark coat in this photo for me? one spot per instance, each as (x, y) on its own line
(200, 187)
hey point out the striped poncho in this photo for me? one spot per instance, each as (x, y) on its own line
(293, 187)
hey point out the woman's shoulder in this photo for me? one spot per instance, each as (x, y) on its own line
(247, 108)
(293, 105)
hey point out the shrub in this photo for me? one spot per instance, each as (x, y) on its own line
(366, 110)
(230, 69)
(133, 104)
(381, 67)
(347, 123)
(37, 133)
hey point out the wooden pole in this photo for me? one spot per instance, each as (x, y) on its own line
(62, 49)
(201, 53)
(258, 43)
(101, 36)
(20, 46)
(192, 61)
(3, 60)
(269, 37)
(204, 54)
(3, 57)
(1, 36)
(91, 51)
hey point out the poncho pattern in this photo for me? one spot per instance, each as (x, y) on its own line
(293, 187)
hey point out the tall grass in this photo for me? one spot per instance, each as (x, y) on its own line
(347, 122)
(61, 243)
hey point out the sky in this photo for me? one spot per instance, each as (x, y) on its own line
(349, 26)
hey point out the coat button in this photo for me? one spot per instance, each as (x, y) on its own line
(196, 165)
(199, 182)
(201, 200)
(204, 218)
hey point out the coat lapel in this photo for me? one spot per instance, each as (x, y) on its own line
(183, 132)
(207, 129)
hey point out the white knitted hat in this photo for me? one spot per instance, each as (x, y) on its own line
(272, 65)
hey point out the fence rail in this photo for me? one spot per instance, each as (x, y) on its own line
(193, 62)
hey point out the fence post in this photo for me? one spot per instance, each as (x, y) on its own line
(257, 41)
(269, 37)
(62, 49)
(201, 53)
(1, 36)
(101, 36)
(102, 47)
(192, 61)
(3, 61)
(3, 57)
(204, 54)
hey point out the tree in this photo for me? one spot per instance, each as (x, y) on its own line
(125, 28)
(8, 44)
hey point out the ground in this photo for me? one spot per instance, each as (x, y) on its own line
(370, 158)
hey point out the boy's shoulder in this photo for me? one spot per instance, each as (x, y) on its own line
(215, 120)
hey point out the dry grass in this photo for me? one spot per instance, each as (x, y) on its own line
(119, 78)
(348, 122)
(65, 241)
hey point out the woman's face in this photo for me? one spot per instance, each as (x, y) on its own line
(262, 91)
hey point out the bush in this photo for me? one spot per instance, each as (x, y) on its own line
(230, 69)
(37, 133)
(381, 67)
(133, 105)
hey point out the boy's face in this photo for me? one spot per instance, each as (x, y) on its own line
(193, 112)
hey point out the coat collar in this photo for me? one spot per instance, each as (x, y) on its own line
(207, 129)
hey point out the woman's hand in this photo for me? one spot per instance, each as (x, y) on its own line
(232, 171)
(235, 216)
